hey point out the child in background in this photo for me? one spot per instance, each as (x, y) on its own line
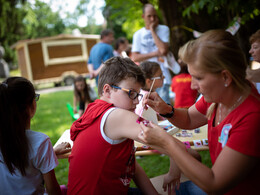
(153, 75)
(181, 86)
(121, 46)
(27, 158)
(102, 160)
(81, 95)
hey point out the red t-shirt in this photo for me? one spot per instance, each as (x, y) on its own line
(184, 95)
(240, 130)
(98, 166)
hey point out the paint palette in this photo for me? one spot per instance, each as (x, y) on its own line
(168, 127)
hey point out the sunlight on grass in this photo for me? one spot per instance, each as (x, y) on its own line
(15, 72)
(52, 115)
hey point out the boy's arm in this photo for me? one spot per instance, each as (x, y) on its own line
(122, 124)
(142, 181)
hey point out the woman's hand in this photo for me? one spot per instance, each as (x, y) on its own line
(154, 136)
(156, 103)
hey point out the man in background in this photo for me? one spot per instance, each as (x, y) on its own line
(100, 52)
(152, 43)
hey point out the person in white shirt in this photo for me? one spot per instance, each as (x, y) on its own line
(27, 158)
(152, 43)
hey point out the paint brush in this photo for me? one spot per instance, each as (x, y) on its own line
(149, 93)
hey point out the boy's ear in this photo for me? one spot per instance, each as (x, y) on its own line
(107, 90)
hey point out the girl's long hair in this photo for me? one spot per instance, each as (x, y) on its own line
(16, 97)
(77, 93)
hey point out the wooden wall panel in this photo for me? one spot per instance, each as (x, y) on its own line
(22, 62)
(90, 44)
(40, 71)
(64, 51)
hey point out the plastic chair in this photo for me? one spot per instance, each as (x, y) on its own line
(74, 116)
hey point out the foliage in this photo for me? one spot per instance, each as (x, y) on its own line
(20, 20)
(41, 21)
(11, 16)
(83, 9)
(245, 9)
(124, 18)
(200, 15)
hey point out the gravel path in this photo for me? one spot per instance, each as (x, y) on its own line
(55, 89)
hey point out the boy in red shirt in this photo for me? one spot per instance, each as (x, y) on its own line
(102, 160)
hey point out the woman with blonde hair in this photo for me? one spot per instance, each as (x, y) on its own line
(230, 106)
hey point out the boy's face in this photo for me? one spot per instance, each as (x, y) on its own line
(121, 99)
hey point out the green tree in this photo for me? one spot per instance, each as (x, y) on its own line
(203, 15)
(41, 21)
(84, 10)
(22, 20)
(11, 16)
(200, 15)
(124, 18)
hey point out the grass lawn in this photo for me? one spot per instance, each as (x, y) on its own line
(52, 118)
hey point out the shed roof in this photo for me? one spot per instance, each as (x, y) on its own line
(21, 43)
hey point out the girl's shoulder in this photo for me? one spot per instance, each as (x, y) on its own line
(36, 139)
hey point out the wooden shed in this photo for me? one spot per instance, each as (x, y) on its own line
(54, 59)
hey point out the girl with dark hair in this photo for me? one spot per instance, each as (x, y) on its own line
(81, 95)
(27, 159)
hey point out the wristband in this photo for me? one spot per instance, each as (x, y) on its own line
(168, 115)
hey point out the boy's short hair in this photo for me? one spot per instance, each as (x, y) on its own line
(106, 32)
(117, 69)
(149, 68)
